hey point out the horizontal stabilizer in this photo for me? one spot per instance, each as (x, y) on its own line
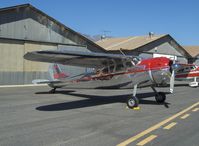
(42, 81)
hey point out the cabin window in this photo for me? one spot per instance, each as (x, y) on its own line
(120, 67)
(129, 64)
(181, 70)
(108, 69)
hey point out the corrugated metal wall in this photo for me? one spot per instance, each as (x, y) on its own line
(16, 70)
(29, 23)
(196, 62)
(167, 49)
(26, 29)
(11, 64)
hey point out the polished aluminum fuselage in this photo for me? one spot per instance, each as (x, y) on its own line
(125, 79)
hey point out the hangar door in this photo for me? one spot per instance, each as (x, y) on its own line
(11, 62)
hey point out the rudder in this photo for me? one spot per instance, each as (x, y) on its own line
(56, 73)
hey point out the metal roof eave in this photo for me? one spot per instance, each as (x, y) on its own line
(52, 19)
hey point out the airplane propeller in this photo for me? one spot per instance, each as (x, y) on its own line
(174, 67)
(172, 81)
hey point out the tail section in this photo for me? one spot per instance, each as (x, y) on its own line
(56, 73)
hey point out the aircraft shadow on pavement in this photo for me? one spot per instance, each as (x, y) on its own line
(94, 100)
(176, 85)
(57, 92)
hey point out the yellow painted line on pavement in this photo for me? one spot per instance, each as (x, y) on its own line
(185, 116)
(170, 126)
(141, 134)
(146, 140)
(195, 109)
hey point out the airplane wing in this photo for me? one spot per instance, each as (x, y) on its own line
(75, 58)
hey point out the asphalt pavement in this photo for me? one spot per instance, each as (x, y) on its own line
(30, 116)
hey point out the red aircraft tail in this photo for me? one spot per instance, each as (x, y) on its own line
(56, 73)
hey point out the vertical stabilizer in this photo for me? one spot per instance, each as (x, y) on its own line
(56, 73)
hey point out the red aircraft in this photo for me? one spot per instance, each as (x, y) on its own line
(188, 72)
(106, 71)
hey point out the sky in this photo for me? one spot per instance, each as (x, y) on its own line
(121, 18)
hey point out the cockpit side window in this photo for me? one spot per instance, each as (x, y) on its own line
(129, 64)
(120, 67)
(117, 67)
(111, 69)
(105, 70)
(108, 69)
(180, 70)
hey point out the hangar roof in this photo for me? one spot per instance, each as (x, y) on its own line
(126, 43)
(192, 50)
(45, 19)
(112, 44)
(140, 43)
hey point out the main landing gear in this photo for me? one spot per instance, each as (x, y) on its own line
(160, 97)
(194, 83)
(133, 101)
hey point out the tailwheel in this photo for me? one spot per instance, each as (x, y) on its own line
(160, 97)
(132, 102)
(53, 90)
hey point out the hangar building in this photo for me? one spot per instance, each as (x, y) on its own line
(147, 46)
(194, 52)
(24, 28)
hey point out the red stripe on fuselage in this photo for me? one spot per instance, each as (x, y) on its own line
(189, 75)
(146, 65)
(130, 71)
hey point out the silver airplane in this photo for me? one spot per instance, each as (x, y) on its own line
(107, 71)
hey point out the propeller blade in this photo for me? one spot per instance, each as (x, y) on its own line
(174, 68)
(172, 81)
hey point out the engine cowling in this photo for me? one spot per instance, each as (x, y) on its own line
(159, 69)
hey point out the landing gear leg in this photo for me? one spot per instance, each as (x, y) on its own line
(160, 97)
(53, 90)
(133, 101)
(194, 83)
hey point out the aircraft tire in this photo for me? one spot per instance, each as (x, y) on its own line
(132, 102)
(160, 97)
